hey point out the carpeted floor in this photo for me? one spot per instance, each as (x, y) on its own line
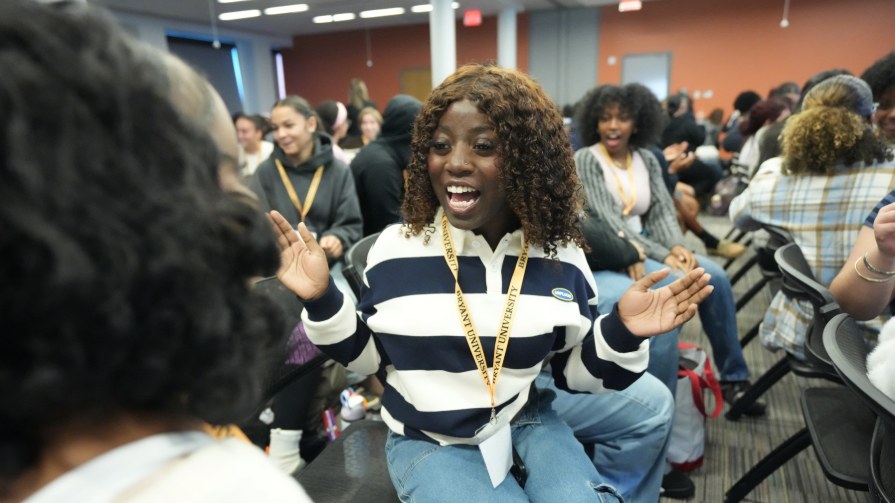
(734, 447)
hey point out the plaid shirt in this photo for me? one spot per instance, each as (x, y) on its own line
(824, 215)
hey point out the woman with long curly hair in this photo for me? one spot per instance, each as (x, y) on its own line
(490, 235)
(128, 253)
(623, 184)
(833, 170)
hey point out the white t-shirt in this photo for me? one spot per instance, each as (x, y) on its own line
(248, 163)
(173, 467)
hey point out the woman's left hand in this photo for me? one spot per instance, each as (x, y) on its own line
(647, 312)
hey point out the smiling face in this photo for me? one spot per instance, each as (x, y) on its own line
(248, 135)
(615, 127)
(293, 132)
(464, 170)
(884, 117)
(369, 127)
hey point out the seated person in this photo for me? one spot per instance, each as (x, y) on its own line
(129, 249)
(490, 247)
(833, 168)
(881, 78)
(623, 185)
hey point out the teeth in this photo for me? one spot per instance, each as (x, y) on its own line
(462, 204)
(459, 190)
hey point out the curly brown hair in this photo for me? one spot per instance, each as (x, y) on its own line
(537, 172)
(832, 129)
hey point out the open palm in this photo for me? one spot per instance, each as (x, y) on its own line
(647, 312)
(303, 266)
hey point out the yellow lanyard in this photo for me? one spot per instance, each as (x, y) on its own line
(628, 204)
(506, 321)
(312, 190)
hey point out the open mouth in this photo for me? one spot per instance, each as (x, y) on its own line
(462, 197)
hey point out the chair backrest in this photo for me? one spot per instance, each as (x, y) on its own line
(799, 283)
(777, 238)
(356, 262)
(848, 350)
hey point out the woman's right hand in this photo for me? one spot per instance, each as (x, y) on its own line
(303, 266)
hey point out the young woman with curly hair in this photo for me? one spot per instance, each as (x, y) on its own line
(491, 236)
(128, 253)
(833, 170)
(623, 184)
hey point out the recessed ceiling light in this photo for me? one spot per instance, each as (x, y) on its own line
(427, 7)
(286, 9)
(240, 14)
(394, 11)
(346, 16)
(322, 19)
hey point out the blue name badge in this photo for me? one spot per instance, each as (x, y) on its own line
(563, 294)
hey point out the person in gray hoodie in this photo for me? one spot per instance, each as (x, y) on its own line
(304, 182)
(379, 167)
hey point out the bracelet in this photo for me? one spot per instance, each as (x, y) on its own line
(871, 280)
(874, 269)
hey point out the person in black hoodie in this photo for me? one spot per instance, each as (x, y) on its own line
(304, 182)
(379, 167)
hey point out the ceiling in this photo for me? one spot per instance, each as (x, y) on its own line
(288, 25)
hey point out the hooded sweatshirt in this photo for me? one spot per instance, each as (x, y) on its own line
(334, 210)
(378, 167)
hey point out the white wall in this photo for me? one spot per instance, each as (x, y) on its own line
(255, 59)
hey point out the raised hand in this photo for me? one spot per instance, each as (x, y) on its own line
(649, 312)
(303, 267)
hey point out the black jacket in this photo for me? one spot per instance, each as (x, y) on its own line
(334, 210)
(378, 167)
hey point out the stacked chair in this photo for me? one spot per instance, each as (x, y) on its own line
(838, 424)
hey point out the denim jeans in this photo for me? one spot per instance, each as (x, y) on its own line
(626, 432)
(717, 314)
(557, 466)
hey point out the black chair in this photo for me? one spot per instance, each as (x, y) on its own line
(844, 341)
(836, 419)
(797, 283)
(770, 274)
(353, 468)
(356, 262)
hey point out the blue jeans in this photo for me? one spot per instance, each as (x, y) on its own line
(717, 313)
(558, 468)
(626, 431)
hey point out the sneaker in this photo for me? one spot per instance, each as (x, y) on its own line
(727, 249)
(733, 390)
(677, 485)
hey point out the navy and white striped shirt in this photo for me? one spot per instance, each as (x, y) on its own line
(407, 327)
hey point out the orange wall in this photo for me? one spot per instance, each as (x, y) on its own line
(320, 67)
(731, 45)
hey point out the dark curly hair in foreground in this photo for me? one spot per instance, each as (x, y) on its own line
(833, 129)
(536, 167)
(635, 99)
(126, 268)
(880, 76)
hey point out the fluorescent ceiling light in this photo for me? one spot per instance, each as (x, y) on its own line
(394, 11)
(334, 18)
(427, 7)
(286, 9)
(231, 1)
(240, 14)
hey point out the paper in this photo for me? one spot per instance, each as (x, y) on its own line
(497, 451)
